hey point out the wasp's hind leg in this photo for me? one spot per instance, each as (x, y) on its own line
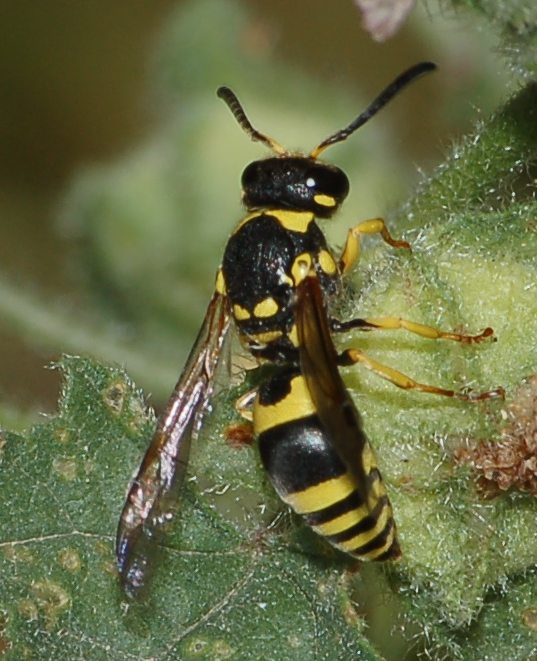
(353, 356)
(245, 403)
(398, 323)
(241, 434)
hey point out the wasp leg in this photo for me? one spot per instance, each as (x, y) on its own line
(244, 405)
(397, 323)
(241, 434)
(353, 356)
(351, 250)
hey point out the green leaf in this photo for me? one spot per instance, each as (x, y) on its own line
(505, 629)
(224, 588)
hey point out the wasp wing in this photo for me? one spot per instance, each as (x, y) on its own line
(153, 494)
(373, 536)
(318, 361)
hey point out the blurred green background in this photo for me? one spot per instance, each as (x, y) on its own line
(83, 84)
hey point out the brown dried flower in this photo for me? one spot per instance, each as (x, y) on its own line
(510, 463)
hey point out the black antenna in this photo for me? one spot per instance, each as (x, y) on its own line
(382, 99)
(238, 112)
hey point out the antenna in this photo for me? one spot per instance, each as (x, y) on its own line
(382, 99)
(234, 105)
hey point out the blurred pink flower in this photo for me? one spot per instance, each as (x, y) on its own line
(382, 18)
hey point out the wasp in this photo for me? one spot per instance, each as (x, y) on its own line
(274, 286)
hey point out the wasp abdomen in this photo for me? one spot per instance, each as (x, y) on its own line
(309, 475)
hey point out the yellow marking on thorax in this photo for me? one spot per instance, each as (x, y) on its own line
(294, 221)
(325, 200)
(293, 335)
(326, 262)
(266, 308)
(240, 313)
(321, 495)
(263, 338)
(295, 405)
(301, 267)
(365, 537)
(220, 284)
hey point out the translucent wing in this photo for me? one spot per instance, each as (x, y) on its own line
(318, 360)
(370, 533)
(153, 494)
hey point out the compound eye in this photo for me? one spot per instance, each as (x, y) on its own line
(333, 182)
(311, 182)
(249, 175)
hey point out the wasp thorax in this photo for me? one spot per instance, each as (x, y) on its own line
(294, 182)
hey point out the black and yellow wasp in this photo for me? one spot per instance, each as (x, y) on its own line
(275, 282)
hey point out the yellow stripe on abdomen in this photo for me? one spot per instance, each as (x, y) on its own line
(390, 546)
(354, 543)
(295, 405)
(342, 522)
(320, 496)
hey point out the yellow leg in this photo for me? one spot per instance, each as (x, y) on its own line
(353, 356)
(244, 405)
(397, 323)
(242, 433)
(351, 250)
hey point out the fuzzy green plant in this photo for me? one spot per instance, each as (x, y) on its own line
(237, 576)
(515, 24)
